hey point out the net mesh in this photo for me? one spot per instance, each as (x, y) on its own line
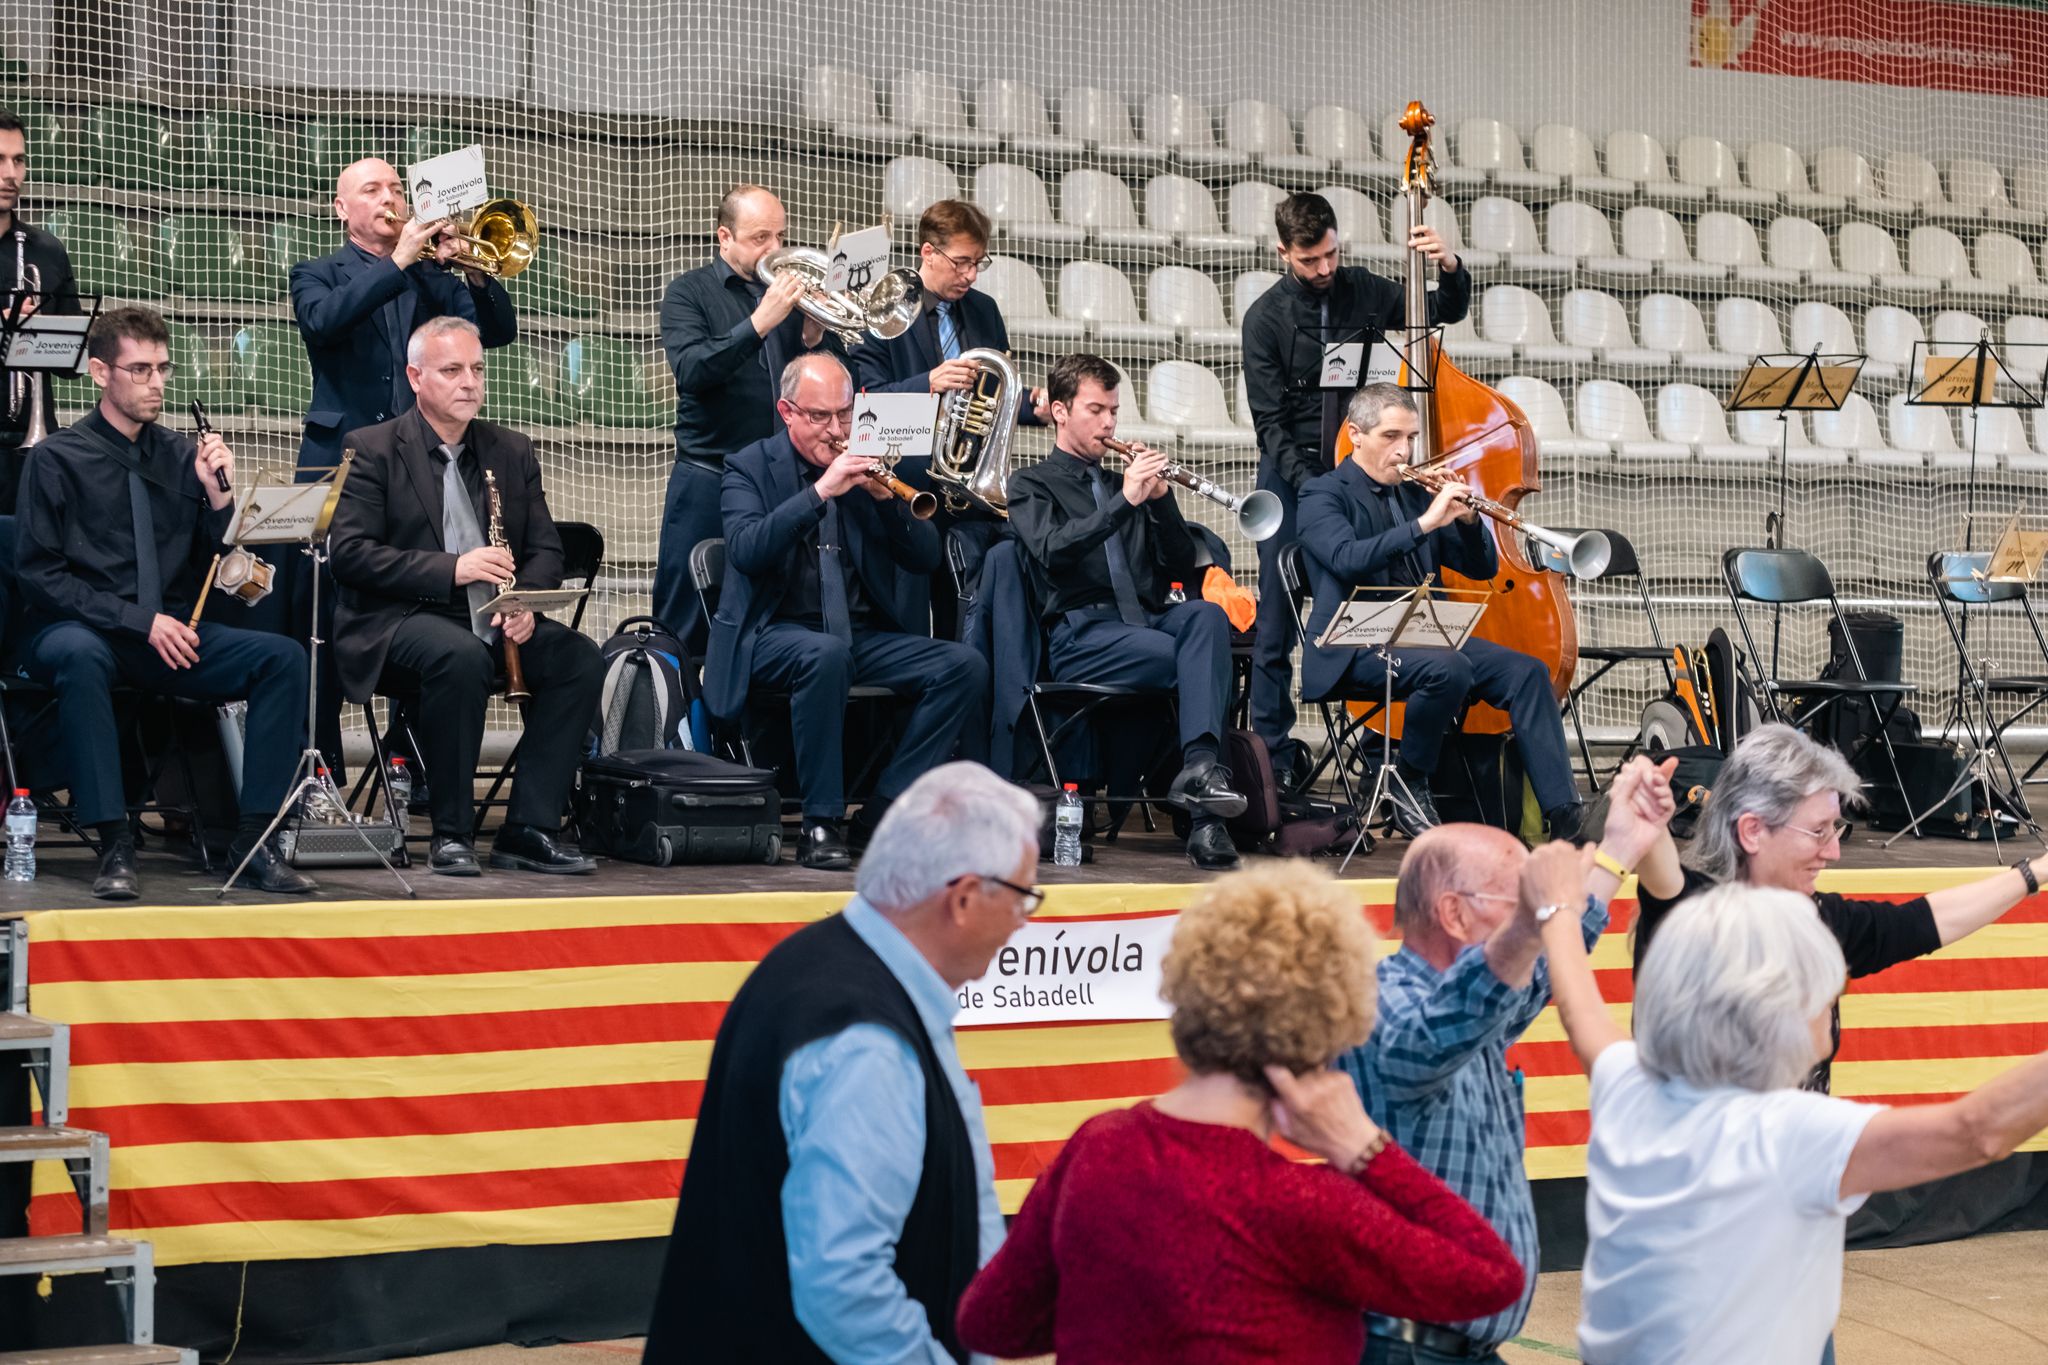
(1648, 194)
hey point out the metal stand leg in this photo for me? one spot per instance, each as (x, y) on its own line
(1387, 784)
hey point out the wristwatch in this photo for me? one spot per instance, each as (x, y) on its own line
(1544, 912)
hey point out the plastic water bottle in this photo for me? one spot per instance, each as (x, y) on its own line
(1176, 596)
(1066, 828)
(400, 778)
(21, 837)
(320, 804)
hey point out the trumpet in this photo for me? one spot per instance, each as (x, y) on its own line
(499, 239)
(1586, 553)
(1258, 512)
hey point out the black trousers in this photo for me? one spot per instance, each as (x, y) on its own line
(84, 664)
(689, 514)
(1277, 626)
(447, 676)
(1435, 684)
(949, 682)
(1185, 649)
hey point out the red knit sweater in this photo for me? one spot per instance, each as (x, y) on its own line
(1153, 1238)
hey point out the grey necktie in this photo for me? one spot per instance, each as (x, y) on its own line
(1120, 580)
(832, 575)
(149, 574)
(460, 534)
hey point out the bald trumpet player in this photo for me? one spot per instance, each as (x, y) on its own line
(820, 560)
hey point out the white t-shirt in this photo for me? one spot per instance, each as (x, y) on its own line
(1716, 1220)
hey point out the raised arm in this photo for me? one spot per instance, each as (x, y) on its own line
(1555, 875)
(1963, 910)
(1921, 1142)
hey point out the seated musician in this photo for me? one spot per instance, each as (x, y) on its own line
(414, 560)
(819, 563)
(1362, 526)
(119, 519)
(1104, 551)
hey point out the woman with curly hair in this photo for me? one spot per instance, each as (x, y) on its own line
(1173, 1231)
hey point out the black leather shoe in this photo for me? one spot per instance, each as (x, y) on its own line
(1567, 822)
(524, 848)
(268, 871)
(822, 848)
(116, 880)
(1203, 788)
(452, 857)
(1209, 847)
(860, 830)
(1415, 811)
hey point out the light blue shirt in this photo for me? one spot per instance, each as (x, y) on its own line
(852, 1108)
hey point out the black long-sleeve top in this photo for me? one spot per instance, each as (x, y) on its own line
(1053, 512)
(76, 553)
(1283, 358)
(726, 372)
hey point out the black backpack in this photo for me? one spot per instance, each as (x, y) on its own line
(650, 698)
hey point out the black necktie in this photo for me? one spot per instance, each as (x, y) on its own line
(149, 575)
(1120, 580)
(832, 575)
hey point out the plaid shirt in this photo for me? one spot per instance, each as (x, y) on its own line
(1434, 1074)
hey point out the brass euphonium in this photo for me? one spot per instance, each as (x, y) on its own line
(885, 310)
(971, 443)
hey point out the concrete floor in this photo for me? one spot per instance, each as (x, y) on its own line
(1984, 1301)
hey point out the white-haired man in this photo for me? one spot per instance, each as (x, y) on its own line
(840, 1191)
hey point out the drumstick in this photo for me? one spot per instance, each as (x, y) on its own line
(204, 588)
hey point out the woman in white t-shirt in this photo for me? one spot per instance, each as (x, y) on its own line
(1717, 1189)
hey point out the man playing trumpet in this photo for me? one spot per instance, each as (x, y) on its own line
(1363, 525)
(820, 558)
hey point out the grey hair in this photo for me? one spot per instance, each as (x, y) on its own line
(1731, 984)
(793, 372)
(416, 346)
(1443, 860)
(1373, 399)
(1771, 772)
(958, 820)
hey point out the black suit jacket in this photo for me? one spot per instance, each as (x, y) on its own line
(338, 299)
(388, 553)
(904, 364)
(1053, 512)
(769, 510)
(1353, 537)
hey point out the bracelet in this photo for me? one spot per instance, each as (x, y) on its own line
(2025, 867)
(1607, 862)
(1371, 1150)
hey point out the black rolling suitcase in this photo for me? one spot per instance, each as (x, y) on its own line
(665, 806)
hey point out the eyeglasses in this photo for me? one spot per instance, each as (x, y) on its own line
(824, 417)
(1491, 896)
(963, 264)
(1828, 834)
(141, 370)
(1029, 898)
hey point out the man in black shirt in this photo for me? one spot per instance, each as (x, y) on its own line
(1316, 302)
(30, 259)
(414, 561)
(728, 337)
(119, 520)
(1103, 553)
(819, 596)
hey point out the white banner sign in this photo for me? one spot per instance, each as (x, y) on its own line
(898, 423)
(450, 183)
(1057, 970)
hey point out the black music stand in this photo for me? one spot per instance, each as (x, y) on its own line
(1337, 398)
(39, 344)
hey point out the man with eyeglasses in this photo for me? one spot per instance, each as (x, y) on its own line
(840, 1191)
(1466, 983)
(727, 336)
(819, 562)
(120, 518)
(953, 237)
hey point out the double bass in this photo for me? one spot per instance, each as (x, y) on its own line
(1473, 431)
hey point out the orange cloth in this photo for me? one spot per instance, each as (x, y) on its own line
(1239, 604)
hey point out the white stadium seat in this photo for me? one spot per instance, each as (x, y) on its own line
(1250, 285)
(1939, 253)
(1613, 413)
(1444, 219)
(1187, 300)
(1726, 239)
(1868, 249)
(1800, 244)
(1131, 421)
(1583, 233)
(1919, 431)
(1101, 203)
(1669, 322)
(1339, 137)
(1774, 167)
(1711, 164)
(1517, 317)
(1854, 431)
(1182, 124)
(1251, 210)
(1561, 150)
(1845, 173)
(930, 106)
(1690, 416)
(1506, 226)
(1652, 234)
(2001, 439)
(1910, 178)
(844, 101)
(1747, 328)
(1015, 112)
(1763, 430)
(1822, 327)
(1183, 207)
(1020, 294)
(1358, 225)
(1979, 186)
(2004, 259)
(2030, 188)
(1595, 320)
(1472, 352)
(1953, 329)
(2024, 329)
(1548, 417)
(1494, 149)
(1263, 132)
(1101, 119)
(1014, 198)
(2038, 461)
(1641, 160)
(1100, 296)
(1190, 399)
(912, 184)
(1888, 337)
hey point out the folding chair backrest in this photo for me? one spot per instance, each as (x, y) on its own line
(707, 570)
(1782, 576)
(1622, 562)
(1290, 569)
(582, 557)
(1954, 576)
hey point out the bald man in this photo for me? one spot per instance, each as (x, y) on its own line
(357, 306)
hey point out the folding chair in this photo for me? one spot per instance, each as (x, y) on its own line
(1346, 756)
(1622, 564)
(1954, 575)
(1786, 577)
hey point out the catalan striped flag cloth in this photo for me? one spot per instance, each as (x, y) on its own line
(350, 1079)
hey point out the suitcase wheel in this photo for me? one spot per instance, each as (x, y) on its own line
(773, 853)
(664, 851)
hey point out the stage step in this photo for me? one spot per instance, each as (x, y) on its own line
(85, 1157)
(103, 1355)
(132, 1266)
(48, 1044)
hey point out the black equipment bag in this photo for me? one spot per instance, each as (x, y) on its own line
(1692, 783)
(650, 698)
(665, 806)
(1293, 826)
(1850, 723)
(1930, 768)
(1480, 780)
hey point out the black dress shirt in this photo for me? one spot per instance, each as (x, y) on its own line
(803, 601)
(76, 551)
(726, 372)
(1283, 356)
(1053, 512)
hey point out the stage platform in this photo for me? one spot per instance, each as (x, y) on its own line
(356, 1126)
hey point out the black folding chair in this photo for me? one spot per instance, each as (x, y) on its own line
(1347, 755)
(1956, 576)
(1623, 568)
(1784, 578)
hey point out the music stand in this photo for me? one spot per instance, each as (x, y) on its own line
(275, 513)
(44, 345)
(1336, 398)
(1418, 618)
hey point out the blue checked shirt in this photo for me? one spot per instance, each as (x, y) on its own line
(1434, 1074)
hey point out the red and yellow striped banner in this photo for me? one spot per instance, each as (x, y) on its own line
(350, 1079)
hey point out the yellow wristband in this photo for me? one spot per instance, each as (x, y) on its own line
(1607, 862)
